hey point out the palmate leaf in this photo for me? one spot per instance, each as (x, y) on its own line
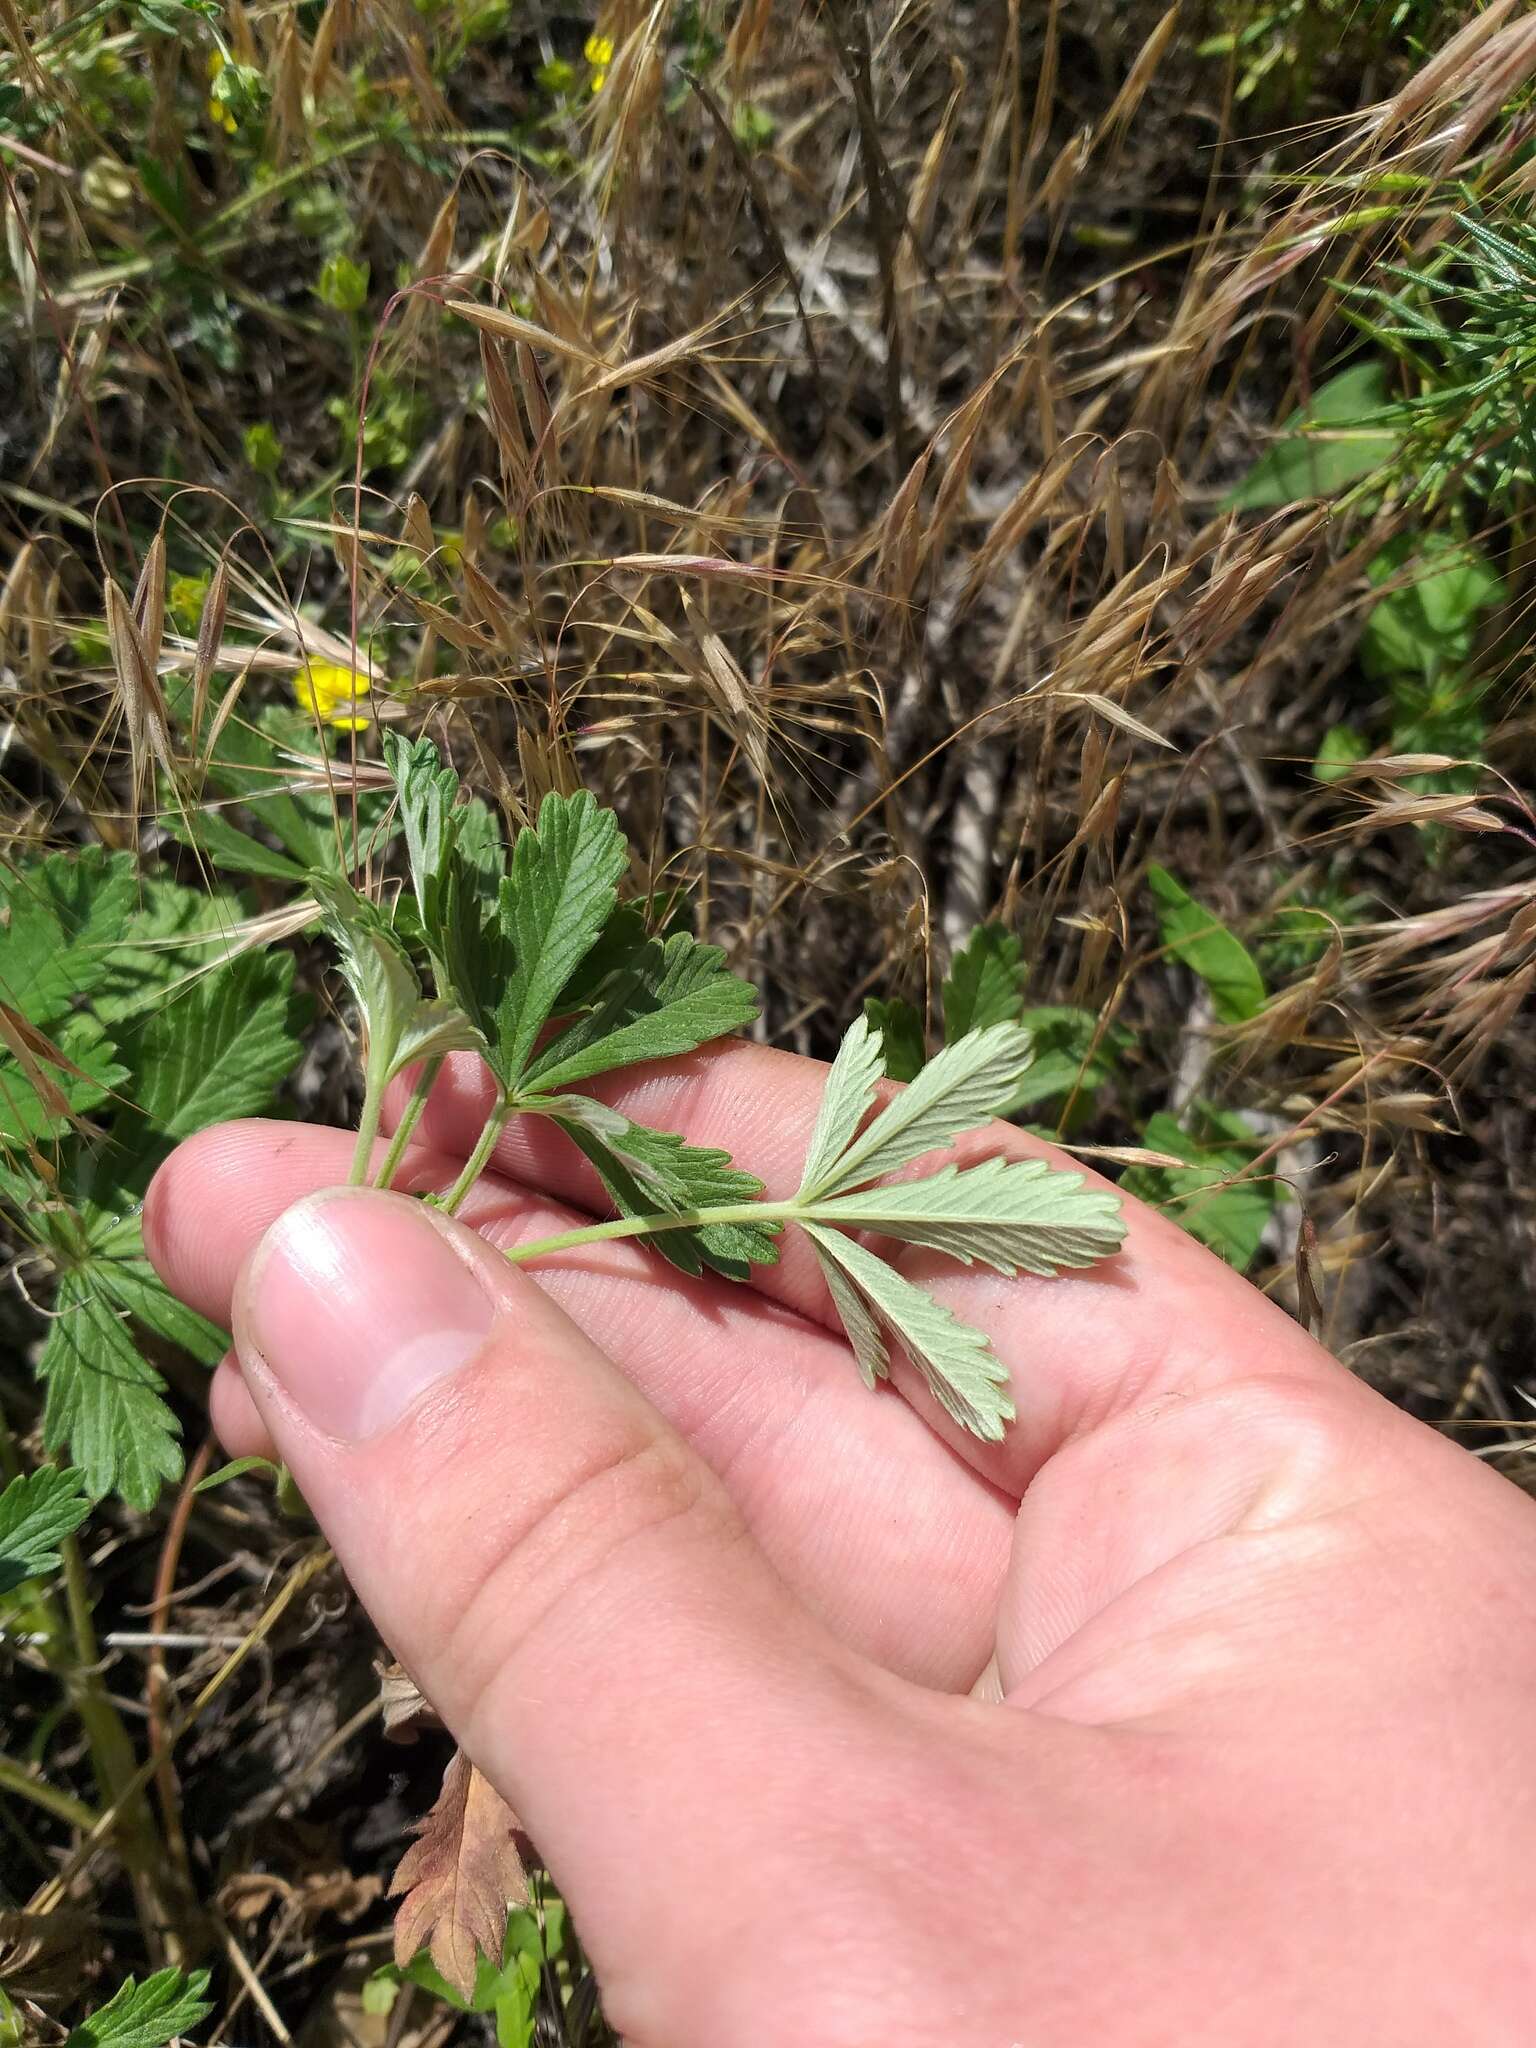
(146, 2015)
(104, 1399)
(1014, 1215)
(670, 997)
(964, 1085)
(957, 1363)
(553, 905)
(37, 1511)
(648, 1172)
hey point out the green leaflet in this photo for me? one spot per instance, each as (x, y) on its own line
(402, 1025)
(1344, 434)
(146, 2015)
(900, 1026)
(849, 1093)
(426, 790)
(219, 1049)
(961, 1087)
(554, 905)
(37, 1511)
(860, 1325)
(958, 1365)
(1202, 942)
(132, 1284)
(669, 997)
(1014, 1215)
(1226, 1214)
(67, 914)
(104, 1400)
(648, 1172)
(985, 984)
(173, 935)
(40, 1095)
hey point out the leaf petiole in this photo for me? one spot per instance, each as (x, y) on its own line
(479, 1159)
(651, 1226)
(367, 1126)
(410, 1117)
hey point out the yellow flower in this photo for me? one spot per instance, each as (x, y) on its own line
(330, 692)
(218, 113)
(598, 52)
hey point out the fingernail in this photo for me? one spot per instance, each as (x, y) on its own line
(356, 1302)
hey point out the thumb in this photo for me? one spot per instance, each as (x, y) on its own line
(565, 1579)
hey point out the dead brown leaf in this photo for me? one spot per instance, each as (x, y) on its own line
(457, 1880)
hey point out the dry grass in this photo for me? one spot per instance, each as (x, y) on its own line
(867, 551)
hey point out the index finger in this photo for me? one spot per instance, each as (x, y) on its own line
(1164, 1315)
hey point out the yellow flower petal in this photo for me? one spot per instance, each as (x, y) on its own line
(329, 692)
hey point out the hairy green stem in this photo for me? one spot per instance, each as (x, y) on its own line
(478, 1160)
(367, 1131)
(113, 1759)
(651, 1226)
(17, 1779)
(410, 1117)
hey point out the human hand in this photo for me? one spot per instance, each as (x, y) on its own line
(1196, 1711)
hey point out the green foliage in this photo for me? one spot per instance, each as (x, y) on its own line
(262, 448)
(342, 284)
(1205, 1197)
(146, 2015)
(753, 126)
(561, 983)
(535, 1945)
(985, 985)
(1425, 623)
(1197, 937)
(37, 1511)
(1460, 320)
(900, 1025)
(1342, 746)
(1015, 1216)
(120, 1004)
(1074, 1053)
(1341, 436)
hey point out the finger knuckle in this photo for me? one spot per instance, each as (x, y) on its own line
(560, 1565)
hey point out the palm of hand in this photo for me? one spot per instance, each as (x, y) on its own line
(1229, 1595)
